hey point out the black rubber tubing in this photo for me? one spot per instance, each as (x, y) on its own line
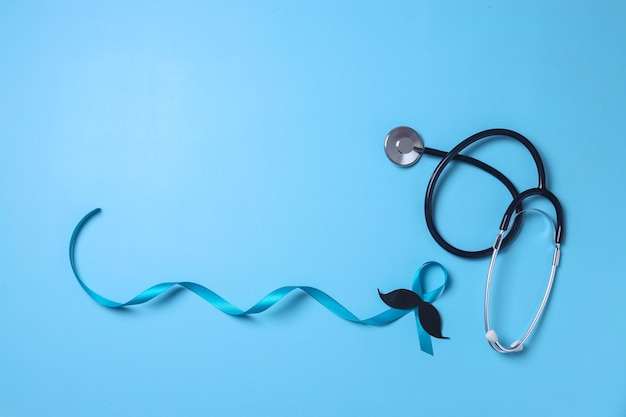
(454, 154)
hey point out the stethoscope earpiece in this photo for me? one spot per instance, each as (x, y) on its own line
(492, 337)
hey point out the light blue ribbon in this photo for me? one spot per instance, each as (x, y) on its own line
(269, 300)
(425, 339)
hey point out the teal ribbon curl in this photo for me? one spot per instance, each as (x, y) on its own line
(382, 319)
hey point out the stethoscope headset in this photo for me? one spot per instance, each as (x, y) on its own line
(404, 147)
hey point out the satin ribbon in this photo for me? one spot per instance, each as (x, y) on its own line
(269, 300)
(425, 339)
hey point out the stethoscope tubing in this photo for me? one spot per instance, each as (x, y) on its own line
(455, 153)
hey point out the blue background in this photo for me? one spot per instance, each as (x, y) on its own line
(239, 145)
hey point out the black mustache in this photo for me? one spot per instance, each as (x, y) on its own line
(429, 317)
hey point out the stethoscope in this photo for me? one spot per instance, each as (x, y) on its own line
(404, 147)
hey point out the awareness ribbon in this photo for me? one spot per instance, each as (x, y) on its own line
(425, 340)
(269, 300)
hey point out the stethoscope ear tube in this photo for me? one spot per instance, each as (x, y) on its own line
(490, 334)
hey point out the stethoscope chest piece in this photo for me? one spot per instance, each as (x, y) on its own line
(404, 146)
